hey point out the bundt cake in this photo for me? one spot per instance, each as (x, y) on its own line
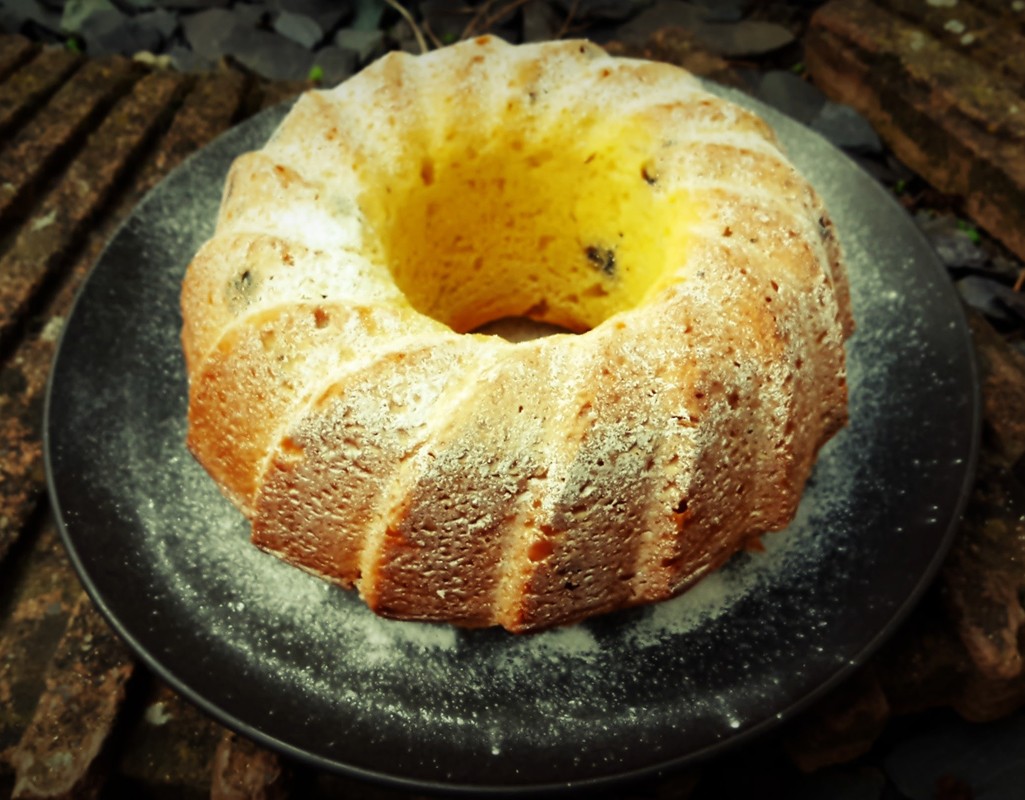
(342, 396)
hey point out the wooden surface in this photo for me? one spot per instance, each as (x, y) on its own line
(80, 142)
(944, 85)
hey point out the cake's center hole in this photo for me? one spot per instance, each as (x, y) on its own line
(567, 226)
(520, 329)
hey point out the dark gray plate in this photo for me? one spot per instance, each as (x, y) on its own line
(305, 668)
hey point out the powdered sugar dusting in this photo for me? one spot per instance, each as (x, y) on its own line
(624, 692)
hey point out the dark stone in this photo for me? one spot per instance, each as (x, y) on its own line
(269, 54)
(299, 28)
(986, 761)
(208, 31)
(744, 39)
(506, 31)
(661, 15)
(901, 171)
(111, 31)
(251, 15)
(952, 240)
(791, 94)
(336, 64)
(368, 15)
(76, 12)
(163, 22)
(999, 303)
(187, 60)
(602, 10)
(16, 15)
(445, 20)
(979, 293)
(328, 14)
(876, 167)
(367, 45)
(540, 22)
(192, 5)
(748, 79)
(845, 127)
(722, 10)
(1008, 268)
(403, 37)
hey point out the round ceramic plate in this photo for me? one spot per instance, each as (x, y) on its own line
(304, 667)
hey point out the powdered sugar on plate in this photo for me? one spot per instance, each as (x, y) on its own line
(303, 665)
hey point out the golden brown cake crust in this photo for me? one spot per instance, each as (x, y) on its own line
(338, 399)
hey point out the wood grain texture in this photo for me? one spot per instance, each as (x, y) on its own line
(952, 111)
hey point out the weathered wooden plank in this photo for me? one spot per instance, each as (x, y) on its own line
(271, 94)
(35, 152)
(61, 219)
(50, 237)
(924, 665)
(85, 687)
(1008, 12)
(679, 46)
(984, 575)
(962, 647)
(43, 588)
(209, 109)
(22, 387)
(957, 122)
(14, 51)
(1002, 370)
(23, 93)
(843, 726)
(242, 771)
(213, 105)
(169, 751)
(977, 32)
(206, 111)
